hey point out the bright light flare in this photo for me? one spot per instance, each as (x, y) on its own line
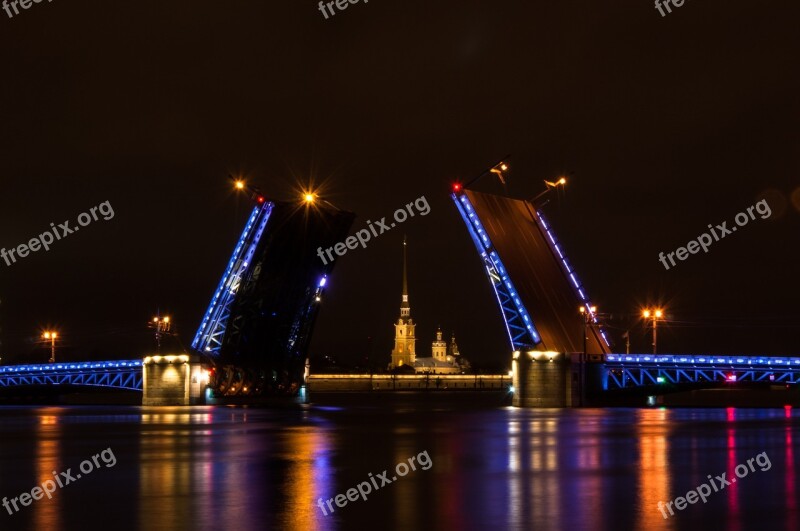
(239, 184)
(657, 313)
(309, 197)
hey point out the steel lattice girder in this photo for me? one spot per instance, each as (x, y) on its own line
(212, 329)
(621, 377)
(113, 374)
(521, 330)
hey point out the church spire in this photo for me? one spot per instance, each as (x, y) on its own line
(405, 307)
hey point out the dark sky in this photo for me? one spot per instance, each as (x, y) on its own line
(665, 124)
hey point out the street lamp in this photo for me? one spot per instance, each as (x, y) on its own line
(549, 186)
(51, 336)
(242, 186)
(587, 318)
(497, 169)
(161, 325)
(656, 315)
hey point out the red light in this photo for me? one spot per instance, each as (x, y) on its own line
(731, 377)
(260, 199)
(457, 187)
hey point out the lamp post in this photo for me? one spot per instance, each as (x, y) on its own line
(161, 325)
(549, 186)
(497, 169)
(587, 318)
(51, 336)
(656, 315)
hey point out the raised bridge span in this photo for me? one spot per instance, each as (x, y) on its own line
(539, 293)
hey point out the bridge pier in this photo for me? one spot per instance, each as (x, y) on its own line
(173, 380)
(553, 379)
(542, 379)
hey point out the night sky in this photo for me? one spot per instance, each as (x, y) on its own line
(663, 125)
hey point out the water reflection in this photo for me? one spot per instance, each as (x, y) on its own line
(570, 469)
(165, 475)
(505, 468)
(653, 468)
(789, 475)
(733, 489)
(308, 478)
(48, 463)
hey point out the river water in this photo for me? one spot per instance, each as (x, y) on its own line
(233, 468)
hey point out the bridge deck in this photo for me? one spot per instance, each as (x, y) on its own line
(546, 284)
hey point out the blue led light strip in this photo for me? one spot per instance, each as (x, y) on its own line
(212, 328)
(578, 286)
(521, 330)
(708, 360)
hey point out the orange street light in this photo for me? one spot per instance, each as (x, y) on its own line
(498, 170)
(51, 336)
(162, 326)
(656, 315)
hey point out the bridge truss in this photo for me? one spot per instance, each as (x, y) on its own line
(114, 374)
(215, 322)
(521, 331)
(639, 370)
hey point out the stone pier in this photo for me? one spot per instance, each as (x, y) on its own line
(543, 379)
(174, 380)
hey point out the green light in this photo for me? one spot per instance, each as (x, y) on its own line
(661, 379)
